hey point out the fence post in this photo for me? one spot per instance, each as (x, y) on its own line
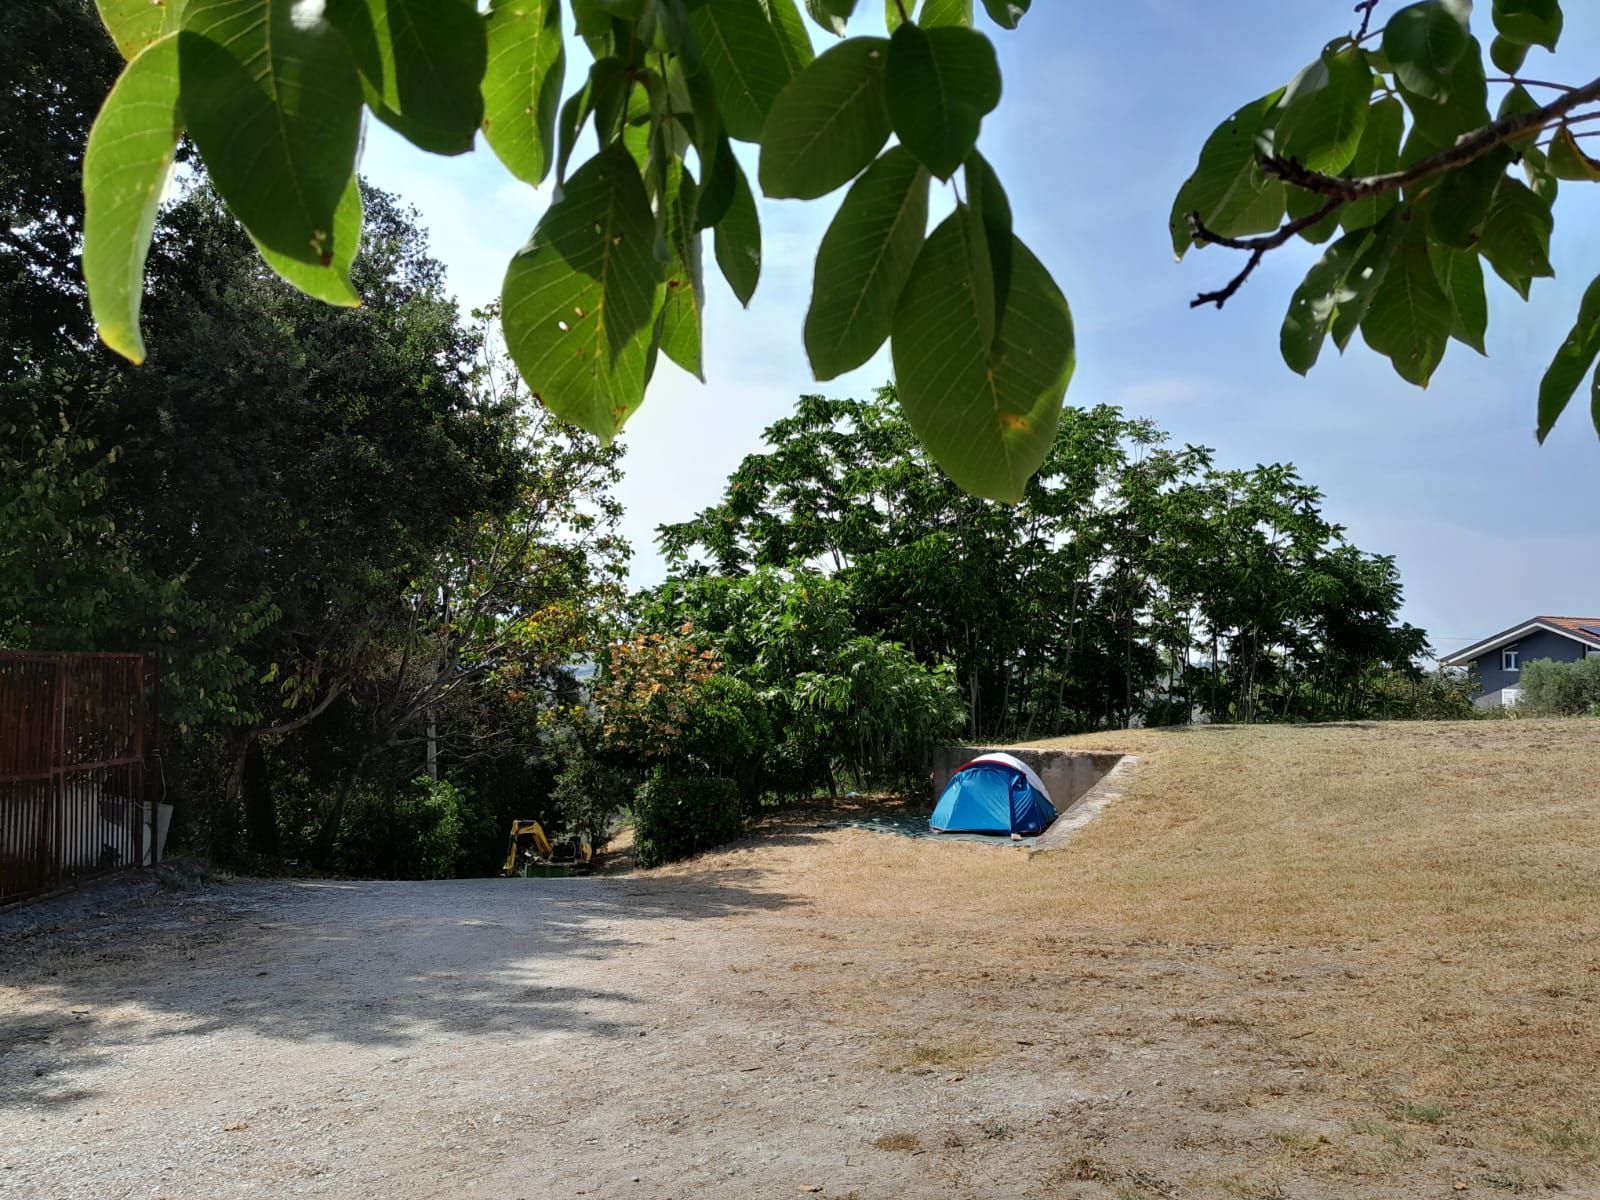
(58, 776)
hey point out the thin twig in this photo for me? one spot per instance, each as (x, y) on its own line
(1257, 246)
(1365, 9)
(1592, 133)
(1527, 83)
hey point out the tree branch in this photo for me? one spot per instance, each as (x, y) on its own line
(1339, 191)
(1470, 148)
(304, 718)
(1258, 246)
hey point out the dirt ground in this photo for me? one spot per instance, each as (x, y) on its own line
(841, 1013)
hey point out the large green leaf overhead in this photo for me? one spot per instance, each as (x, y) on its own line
(1410, 318)
(274, 105)
(1568, 160)
(831, 15)
(1462, 200)
(125, 169)
(1424, 42)
(942, 83)
(1232, 194)
(1316, 303)
(522, 84)
(751, 49)
(1460, 274)
(828, 123)
(987, 416)
(864, 262)
(945, 12)
(1366, 277)
(1571, 363)
(421, 65)
(580, 299)
(738, 240)
(992, 207)
(135, 24)
(1006, 13)
(1378, 152)
(330, 284)
(1529, 22)
(1325, 111)
(680, 325)
(1516, 236)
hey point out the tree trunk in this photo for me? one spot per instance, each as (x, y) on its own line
(260, 813)
(233, 789)
(1127, 674)
(322, 852)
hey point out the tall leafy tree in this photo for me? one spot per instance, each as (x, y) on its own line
(1133, 580)
(498, 612)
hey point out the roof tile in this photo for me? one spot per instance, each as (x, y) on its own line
(1583, 627)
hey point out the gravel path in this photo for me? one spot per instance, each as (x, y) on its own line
(604, 1037)
(786, 1019)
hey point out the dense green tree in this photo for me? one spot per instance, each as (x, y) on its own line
(350, 516)
(280, 453)
(499, 610)
(56, 66)
(1135, 580)
(1289, 619)
(802, 697)
(357, 548)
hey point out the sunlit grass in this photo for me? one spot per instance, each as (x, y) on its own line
(1426, 899)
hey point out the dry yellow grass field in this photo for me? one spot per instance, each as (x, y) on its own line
(1355, 957)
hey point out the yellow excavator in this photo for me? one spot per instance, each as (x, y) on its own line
(531, 853)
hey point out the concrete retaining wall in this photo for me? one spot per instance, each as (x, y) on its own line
(1068, 774)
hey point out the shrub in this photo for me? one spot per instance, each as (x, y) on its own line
(645, 692)
(587, 797)
(728, 734)
(1552, 689)
(410, 833)
(1422, 695)
(675, 817)
(877, 711)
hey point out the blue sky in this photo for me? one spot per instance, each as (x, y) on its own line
(1105, 108)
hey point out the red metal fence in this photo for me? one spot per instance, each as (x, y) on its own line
(71, 769)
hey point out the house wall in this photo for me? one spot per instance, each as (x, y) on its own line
(1541, 643)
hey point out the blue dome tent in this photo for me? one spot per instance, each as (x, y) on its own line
(994, 793)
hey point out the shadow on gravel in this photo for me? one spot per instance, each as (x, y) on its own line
(356, 963)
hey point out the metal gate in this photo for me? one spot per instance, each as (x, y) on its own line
(71, 769)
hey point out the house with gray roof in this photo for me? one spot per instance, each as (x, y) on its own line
(1498, 660)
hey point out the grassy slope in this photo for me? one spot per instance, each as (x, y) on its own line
(1458, 863)
(1409, 912)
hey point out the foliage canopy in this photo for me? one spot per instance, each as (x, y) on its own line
(1135, 580)
(1384, 147)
